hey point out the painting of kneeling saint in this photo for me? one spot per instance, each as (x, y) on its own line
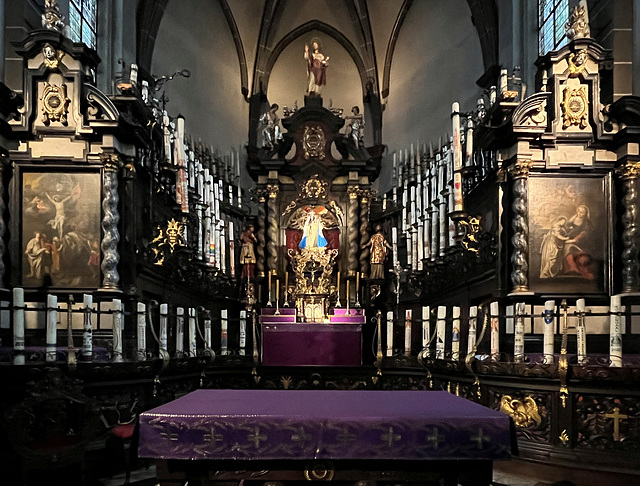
(61, 229)
(569, 234)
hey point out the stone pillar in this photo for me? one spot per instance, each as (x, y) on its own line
(352, 230)
(628, 174)
(365, 201)
(5, 165)
(110, 219)
(260, 196)
(519, 172)
(272, 228)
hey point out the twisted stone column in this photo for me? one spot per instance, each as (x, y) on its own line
(628, 174)
(364, 231)
(352, 230)
(272, 228)
(519, 172)
(260, 234)
(4, 167)
(110, 218)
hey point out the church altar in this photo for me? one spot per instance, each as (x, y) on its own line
(415, 434)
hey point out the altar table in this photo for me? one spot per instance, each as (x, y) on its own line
(212, 436)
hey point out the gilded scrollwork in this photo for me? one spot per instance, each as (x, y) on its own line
(314, 188)
(313, 142)
(575, 107)
(523, 412)
(55, 103)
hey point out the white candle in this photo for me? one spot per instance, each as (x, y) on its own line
(407, 331)
(389, 332)
(164, 317)
(117, 330)
(473, 319)
(455, 334)
(503, 81)
(518, 337)
(179, 331)
(18, 325)
(243, 331)
(232, 257)
(52, 328)
(394, 245)
(133, 75)
(469, 142)
(495, 331)
(441, 326)
(142, 331)
(87, 334)
(409, 248)
(581, 331)
(426, 331)
(549, 331)
(615, 331)
(224, 329)
(207, 330)
(193, 344)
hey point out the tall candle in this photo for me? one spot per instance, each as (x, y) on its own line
(224, 332)
(52, 328)
(408, 315)
(518, 336)
(581, 331)
(389, 331)
(426, 336)
(18, 325)
(164, 317)
(457, 158)
(357, 283)
(549, 331)
(469, 142)
(243, 331)
(441, 326)
(117, 330)
(394, 245)
(232, 256)
(193, 343)
(348, 292)
(286, 283)
(338, 283)
(142, 331)
(87, 334)
(615, 331)
(179, 331)
(455, 334)
(269, 285)
(495, 331)
(473, 320)
(207, 330)
(277, 288)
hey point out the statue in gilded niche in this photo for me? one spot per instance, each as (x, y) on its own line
(355, 125)
(271, 133)
(316, 67)
(312, 235)
(247, 254)
(379, 247)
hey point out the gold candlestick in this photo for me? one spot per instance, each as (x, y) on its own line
(277, 313)
(286, 289)
(357, 289)
(338, 291)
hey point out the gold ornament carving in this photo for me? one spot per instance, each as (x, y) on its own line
(54, 103)
(171, 236)
(314, 188)
(321, 471)
(52, 57)
(577, 63)
(564, 437)
(578, 24)
(273, 190)
(524, 413)
(353, 192)
(313, 142)
(575, 107)
(630, 170)
(520, 169)
(471, 229)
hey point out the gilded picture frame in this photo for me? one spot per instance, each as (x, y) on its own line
(570, 233)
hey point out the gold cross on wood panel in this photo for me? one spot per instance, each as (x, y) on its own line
(617, 417)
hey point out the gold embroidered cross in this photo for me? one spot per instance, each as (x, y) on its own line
(617, 417)
(435, 438)
(301, 436)
(345, 436)
(256, 437)
(212, 436)
(390, 437)
(480, 438)
(168, 436)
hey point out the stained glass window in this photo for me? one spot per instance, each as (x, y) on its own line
(552, 17)
(83, 21)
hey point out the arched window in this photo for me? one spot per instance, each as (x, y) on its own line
(83, 21)
(552, 17)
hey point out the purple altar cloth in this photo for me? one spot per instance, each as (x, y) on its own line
(319, 424)
(299, 344)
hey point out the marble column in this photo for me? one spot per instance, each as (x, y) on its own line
(352, 230)
(110, 219)
(628, 174)
(365, 196)
(272, 228)
(519, 172)
(5, 165)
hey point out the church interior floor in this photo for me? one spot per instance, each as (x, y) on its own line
(512, 473)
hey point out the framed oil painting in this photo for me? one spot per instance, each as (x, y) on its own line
(569, 233)
(61, 229)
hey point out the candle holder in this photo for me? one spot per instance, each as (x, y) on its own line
(277, 312)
